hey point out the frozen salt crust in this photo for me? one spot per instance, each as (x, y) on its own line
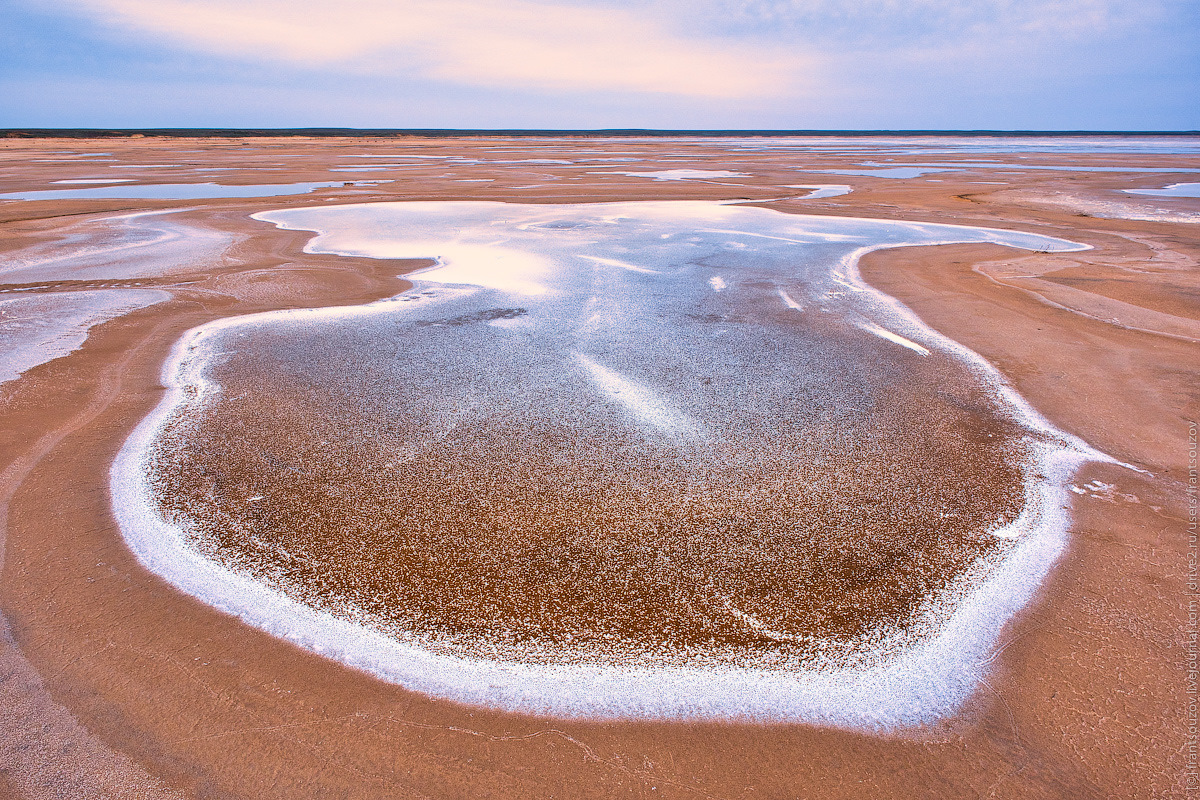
(140, 244)
(40, 327)
(535, 256)
(679, 174)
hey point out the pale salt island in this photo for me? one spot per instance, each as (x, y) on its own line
(543, 328)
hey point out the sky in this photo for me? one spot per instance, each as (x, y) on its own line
(740, 64)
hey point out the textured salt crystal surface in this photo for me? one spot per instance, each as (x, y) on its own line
(147, 243)
(36, 328)
(1142, 208)
(679, 174)
(564, 475)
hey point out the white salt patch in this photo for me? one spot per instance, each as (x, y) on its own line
(647, 406)
(824, 236)
(754, 623)
(36, 328)
(757, 199)
(893, 686)
(820, 190)
(883, 333)
(717, 283)
(678, 174)
(1113, 209)
(490, 266)
(144, 243)
(612, 262)
(69, 153)
(788, 301)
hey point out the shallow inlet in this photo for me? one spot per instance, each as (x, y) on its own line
(1174, 190)
(662, 459)
(169, 191)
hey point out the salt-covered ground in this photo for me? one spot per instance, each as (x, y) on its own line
(39, 327)
(117, 246)
(648, 447)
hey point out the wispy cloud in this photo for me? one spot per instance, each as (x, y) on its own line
(873, 20)
(602, 63)
(511, 44)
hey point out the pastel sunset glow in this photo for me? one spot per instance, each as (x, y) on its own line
(1025, 64)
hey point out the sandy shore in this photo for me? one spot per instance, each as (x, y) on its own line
(114, 685)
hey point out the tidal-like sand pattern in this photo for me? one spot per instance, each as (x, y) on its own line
(37, 327)
(135, 245)
(656, 459)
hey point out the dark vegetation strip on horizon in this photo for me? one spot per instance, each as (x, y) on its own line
(433, 133)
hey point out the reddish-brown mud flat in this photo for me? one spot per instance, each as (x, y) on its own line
(116, 685)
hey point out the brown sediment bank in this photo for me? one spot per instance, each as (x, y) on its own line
(115, 683)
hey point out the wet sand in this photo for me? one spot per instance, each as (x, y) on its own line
(117, 685)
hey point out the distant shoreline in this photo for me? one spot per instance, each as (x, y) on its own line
(436, 133)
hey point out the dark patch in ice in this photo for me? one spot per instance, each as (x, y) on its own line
(489, 315)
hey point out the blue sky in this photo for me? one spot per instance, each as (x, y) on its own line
(890, 64)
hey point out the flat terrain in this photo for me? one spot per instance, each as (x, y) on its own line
(112, 684)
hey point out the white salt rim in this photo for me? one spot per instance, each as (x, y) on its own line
(923, 682)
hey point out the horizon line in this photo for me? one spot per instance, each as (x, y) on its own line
(318, 132)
